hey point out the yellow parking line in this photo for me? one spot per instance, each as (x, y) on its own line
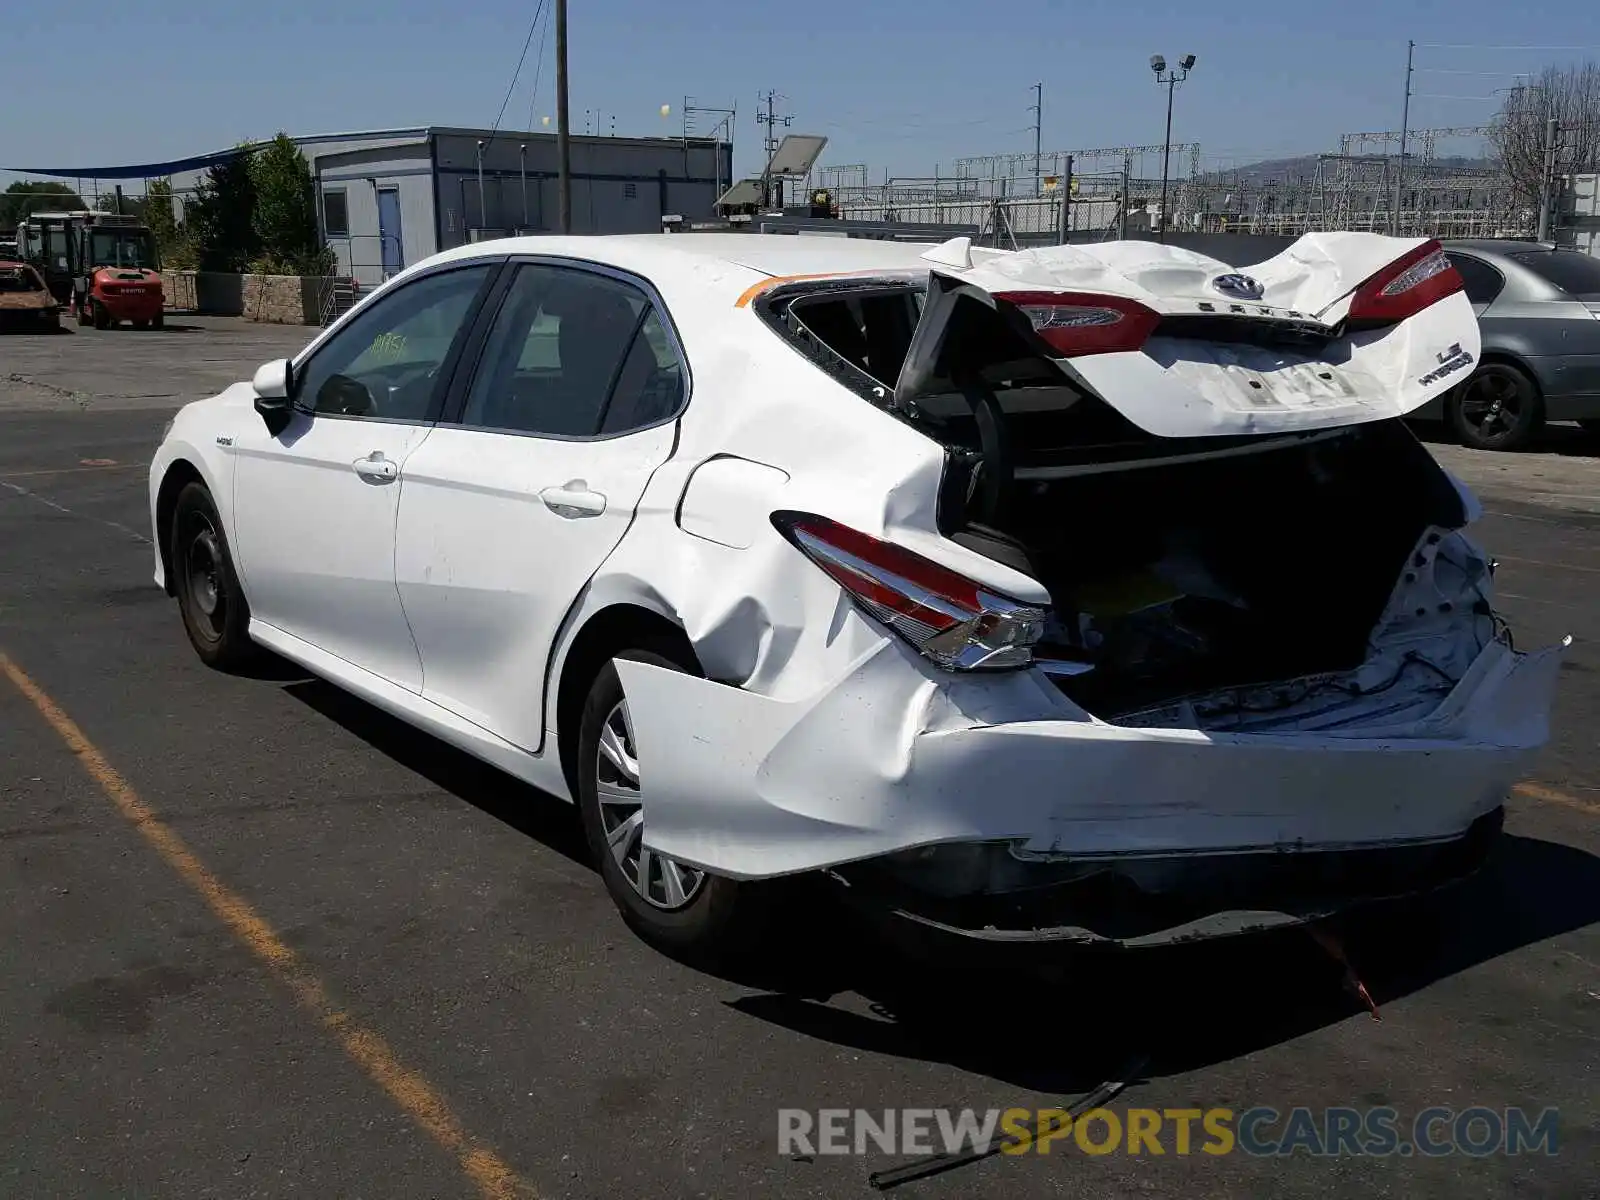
(491, 1175)
(73, 470)
(1537, 791)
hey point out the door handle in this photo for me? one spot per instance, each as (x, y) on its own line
(573, 499)
(375, 468)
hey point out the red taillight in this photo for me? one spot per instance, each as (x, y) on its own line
(945, 615)
(1406, 286)
(1079, 323)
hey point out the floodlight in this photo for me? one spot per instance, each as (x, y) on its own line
(1158, 63)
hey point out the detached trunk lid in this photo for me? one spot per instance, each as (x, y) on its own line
(1226, 353)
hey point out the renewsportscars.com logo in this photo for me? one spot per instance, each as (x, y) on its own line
(1476, 1132)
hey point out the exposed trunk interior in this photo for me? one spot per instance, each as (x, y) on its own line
(1175, 566)
(1176, 578)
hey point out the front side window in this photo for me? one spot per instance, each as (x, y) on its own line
(574, 353)
(386, 363)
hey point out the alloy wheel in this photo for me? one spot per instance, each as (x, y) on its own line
(661, 882)
(1492, 404)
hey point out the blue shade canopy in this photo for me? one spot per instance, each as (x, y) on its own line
(198, 162)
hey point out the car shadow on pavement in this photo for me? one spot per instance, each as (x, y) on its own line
(524, 808)
(1065, 1025)
(1061, 1023)
(1568, 440)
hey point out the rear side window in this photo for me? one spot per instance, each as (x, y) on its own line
(19, 279)
(574, 354)
(1483, 282)
(1574, 273)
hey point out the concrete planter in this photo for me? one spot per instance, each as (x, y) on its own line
(214, 293)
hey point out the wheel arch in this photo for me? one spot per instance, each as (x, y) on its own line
(622, 625)
(178, 475)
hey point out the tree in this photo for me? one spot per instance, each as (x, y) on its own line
(173, 241)
(1569, 94)
(31, 196)
(220, 219)
(285, 217)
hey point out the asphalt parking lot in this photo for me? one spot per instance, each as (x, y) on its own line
(258, 939)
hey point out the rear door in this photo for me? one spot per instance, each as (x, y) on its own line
(509, 508)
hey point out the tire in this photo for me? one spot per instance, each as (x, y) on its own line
(1590, 425)
(102, 318)
(1499, 408)
(719, 916)
(216, 615)
(159, 321)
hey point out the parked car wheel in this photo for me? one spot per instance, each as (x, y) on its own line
(102, 317)
(679, 908)
(1590, 425)
(159, 321)
(215, 613)
(1497, 409)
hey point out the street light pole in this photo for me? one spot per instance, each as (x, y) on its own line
(563, 144)
(1172, 79)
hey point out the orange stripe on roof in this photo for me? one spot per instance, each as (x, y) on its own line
(755, 289)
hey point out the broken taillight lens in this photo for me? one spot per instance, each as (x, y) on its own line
(951, 619)
(1078, 323)
(1406, 286)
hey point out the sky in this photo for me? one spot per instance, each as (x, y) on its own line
(905, 87)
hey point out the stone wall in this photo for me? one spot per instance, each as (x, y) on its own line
(282, 299)
(274, 299)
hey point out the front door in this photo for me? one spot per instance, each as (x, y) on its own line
(315, 505)
(506, 513)
(394, 260)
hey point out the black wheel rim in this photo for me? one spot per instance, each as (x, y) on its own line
(1492, 406)
(203, 575)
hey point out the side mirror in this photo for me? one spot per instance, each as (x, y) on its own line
(274, 388)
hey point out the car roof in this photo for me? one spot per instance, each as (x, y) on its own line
(1499, 245)
(755, 255)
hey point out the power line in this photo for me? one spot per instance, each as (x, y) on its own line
(1517, 49)
(517, 74)
(538, 66)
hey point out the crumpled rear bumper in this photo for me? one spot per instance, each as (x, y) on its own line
(897, 755)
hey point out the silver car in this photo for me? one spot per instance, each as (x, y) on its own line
(1539, 311)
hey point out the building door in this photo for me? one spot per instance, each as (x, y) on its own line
(389, 231)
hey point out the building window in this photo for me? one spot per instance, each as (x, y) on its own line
(335, 214)
(630, 191)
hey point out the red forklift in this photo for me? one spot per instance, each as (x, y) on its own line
(103, 265)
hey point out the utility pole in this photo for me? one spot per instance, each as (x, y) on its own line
(563, 141)
(1547, 183)
(1038, 125)
(771, 120)
(1405, 128)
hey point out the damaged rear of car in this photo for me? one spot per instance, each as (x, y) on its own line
(1198, 643)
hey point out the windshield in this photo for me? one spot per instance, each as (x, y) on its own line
(121, 248)
(1574, 273)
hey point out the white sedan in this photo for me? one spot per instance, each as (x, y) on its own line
(1077, 594)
